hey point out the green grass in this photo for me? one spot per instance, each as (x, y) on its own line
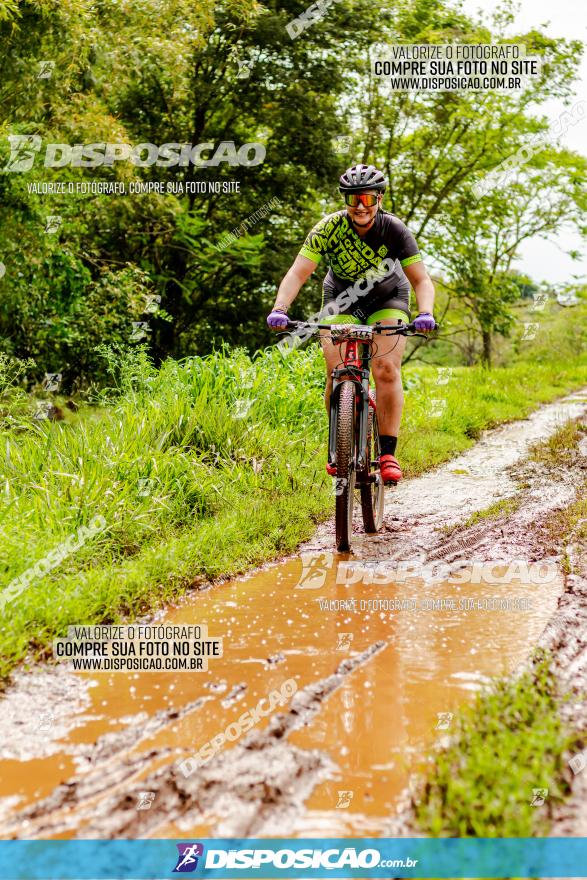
(476, 399)
(560, 447)
(500, 508)
(569, 525)
(233, 483)
(227, 491)
(507, 743)
(572, 523)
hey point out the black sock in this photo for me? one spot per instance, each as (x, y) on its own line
(387, 444)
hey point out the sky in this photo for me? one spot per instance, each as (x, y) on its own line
(546, 260)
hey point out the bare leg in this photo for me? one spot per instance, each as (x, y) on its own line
(386, 368)
(332, 358)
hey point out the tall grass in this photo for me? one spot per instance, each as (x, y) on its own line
(199, 469)
(204, 467)
(507, 745)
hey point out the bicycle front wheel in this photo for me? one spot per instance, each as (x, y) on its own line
(372, 493)
(345, 465)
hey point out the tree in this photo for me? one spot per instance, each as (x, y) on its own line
(436, 146)
(477, 241)
(128, 84)
(189, 73)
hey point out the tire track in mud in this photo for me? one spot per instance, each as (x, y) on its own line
(257, 786)
(260, 785)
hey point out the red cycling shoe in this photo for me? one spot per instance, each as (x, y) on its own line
(330, 469)
(390, 469)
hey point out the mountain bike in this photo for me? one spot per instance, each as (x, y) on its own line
(353, 433)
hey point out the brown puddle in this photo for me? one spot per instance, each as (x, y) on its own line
(376, 727)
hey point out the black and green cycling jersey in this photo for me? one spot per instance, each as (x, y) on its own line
(350, 257)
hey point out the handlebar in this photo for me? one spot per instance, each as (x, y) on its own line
(368, 329)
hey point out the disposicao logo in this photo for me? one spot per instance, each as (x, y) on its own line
(187, 860)
(25, 148)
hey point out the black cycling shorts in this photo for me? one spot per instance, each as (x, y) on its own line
(383, 301)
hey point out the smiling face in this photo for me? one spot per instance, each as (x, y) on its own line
(362, 216)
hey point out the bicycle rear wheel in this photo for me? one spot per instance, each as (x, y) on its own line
(372, 494)
(345, 465)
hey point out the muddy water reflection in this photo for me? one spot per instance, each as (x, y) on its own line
(375, 727)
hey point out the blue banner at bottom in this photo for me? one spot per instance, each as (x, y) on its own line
(307, 858)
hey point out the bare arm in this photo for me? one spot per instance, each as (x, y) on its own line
(293, 280)
(421, 281)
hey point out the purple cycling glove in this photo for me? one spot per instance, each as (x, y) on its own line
(424, 323)
(277, 320)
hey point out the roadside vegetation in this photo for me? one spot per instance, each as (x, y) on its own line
(569, 446)
(513, 732)
(201, 468)
(498, 510)
(507, 750)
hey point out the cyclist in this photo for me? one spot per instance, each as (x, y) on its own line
(354, 242)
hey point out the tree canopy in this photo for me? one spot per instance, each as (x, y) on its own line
(80, 72)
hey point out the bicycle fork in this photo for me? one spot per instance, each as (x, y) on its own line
(360, 379)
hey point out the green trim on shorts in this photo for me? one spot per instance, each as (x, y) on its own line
(381, 315)
(387, 315)
(340, 319)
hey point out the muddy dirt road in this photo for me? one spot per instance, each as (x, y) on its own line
(383, 645)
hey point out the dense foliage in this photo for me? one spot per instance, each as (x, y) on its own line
(81, 72)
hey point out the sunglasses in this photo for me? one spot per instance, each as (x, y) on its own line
(366, 199)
